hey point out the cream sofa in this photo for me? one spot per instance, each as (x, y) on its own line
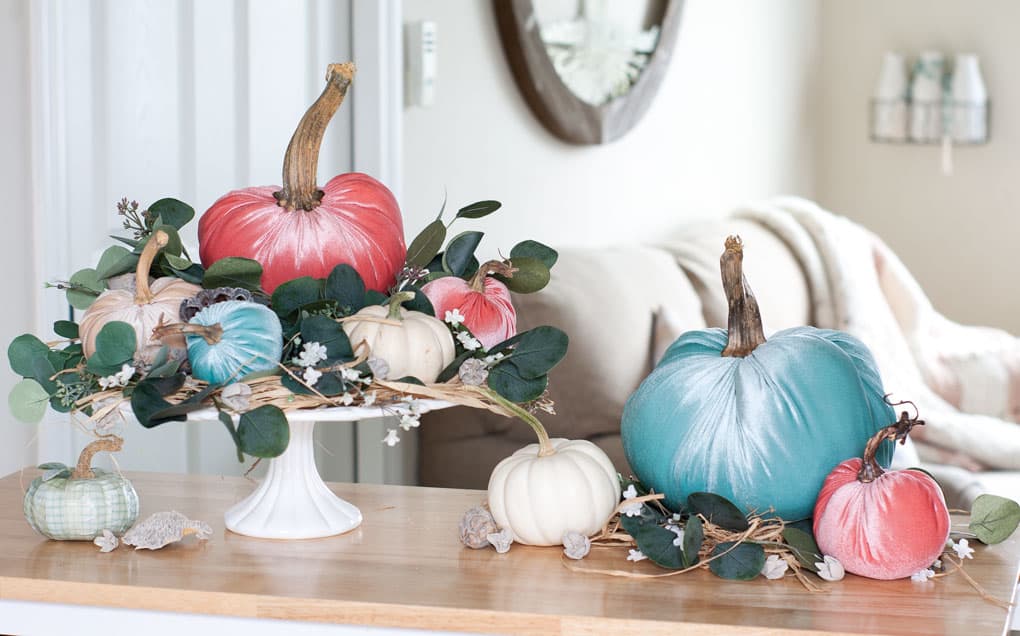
(621, 307)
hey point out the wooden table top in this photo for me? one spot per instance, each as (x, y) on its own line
(405, 567)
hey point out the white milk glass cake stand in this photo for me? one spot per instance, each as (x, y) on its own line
(293, 502)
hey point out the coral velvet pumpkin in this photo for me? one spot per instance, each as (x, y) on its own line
(760, 423)
(483, 301)
(300, 230)
(882, 525)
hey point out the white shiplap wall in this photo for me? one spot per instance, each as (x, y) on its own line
(188, 98)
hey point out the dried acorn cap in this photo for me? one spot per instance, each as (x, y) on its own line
(206, 297)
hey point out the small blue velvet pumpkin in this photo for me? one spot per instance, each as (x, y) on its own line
(763, 427)
(251, 340)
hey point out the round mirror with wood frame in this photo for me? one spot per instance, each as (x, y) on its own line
(573, 118)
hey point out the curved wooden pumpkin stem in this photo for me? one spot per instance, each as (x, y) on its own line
(394, 303)
(870, 469)
(110, 444)
(506, 270)
(210, 333)
(156, 242)
(744, 330)
(300, 192)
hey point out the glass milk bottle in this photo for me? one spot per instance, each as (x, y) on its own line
(969, 101)
(926, 97)
(889, 103)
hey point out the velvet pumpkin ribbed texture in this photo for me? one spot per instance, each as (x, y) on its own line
(252, 341)
(888, 528)
(762, 430)
(489, 314)
(357, 222)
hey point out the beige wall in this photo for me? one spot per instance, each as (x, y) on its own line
(15, 244)
(732, 122)
(955, 232)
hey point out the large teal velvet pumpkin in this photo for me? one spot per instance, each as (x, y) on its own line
(762, 429)
(251, 340)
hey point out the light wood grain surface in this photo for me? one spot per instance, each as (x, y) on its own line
(405, 567)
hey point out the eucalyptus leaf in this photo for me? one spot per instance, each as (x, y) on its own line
(172, 212)
(330, 334)
(345, 286)
(27, 401)
(177, 263)
(410, 379)
(116, 342)
(296, 387)
(54, 473)
(147, 400)
(993, 519)
(295, 294)
(531, 276)
(373, 297)
(264, 431)
(174, 245)
(427, 244)
(41, 371)
(194, 274)
(454, 367)
(717, 510)
(656, 543)
(419, 303)
(85, 287)
(233, 271)
(533, 249)
(505, 379)
(538, 350)
(460, 251)
(66, 329)
(694, 536)
(478, 209)
(228, 422)
(741, 563)
(116, 260)
(23, 351)
(803, 546)
(51, 466)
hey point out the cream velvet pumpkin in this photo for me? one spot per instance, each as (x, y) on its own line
(142, 308)
(541, 498)
(411, 343)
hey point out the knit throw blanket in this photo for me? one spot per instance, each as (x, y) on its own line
(964, 380)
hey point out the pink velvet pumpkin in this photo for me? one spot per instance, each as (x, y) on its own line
(300, 230)
(882, 525)
(483, 301)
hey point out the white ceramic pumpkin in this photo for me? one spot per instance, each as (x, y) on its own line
(143, 308)
(412, 343)
(542, 497)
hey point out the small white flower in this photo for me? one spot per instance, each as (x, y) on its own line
(347, 399)
(576, 545)
(409, 421)
(632, 509)
(454, 317)
(311, 354)
(630, 492)
(937, 565)
(501, 540)
(636, 555)
(107, 541)
(391, 438)
(351, 375)
(677, 517)
(678, 531)
(830, 569)
(470, 342)
(311, 376)
(369, 399)
(492, 359)
(963, 550)
(126, 373)
(379, 367)
(922, 576)
(236, 396)
(775, 567)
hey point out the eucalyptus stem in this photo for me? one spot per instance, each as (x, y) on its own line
(545, 447)
(156, 242)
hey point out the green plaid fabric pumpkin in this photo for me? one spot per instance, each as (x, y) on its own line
(60, 506)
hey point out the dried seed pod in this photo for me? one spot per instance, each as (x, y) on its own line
(501, 540)
(164, 528)
(206, 297)
(576, 545)
(477, 524)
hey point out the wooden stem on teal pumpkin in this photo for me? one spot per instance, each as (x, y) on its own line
(110, 444)
(870, 469)
(300, 191)
(156, 242)
(744, 330)
(395, 301)
(210, 333)
(545, 447)
(477, 282)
